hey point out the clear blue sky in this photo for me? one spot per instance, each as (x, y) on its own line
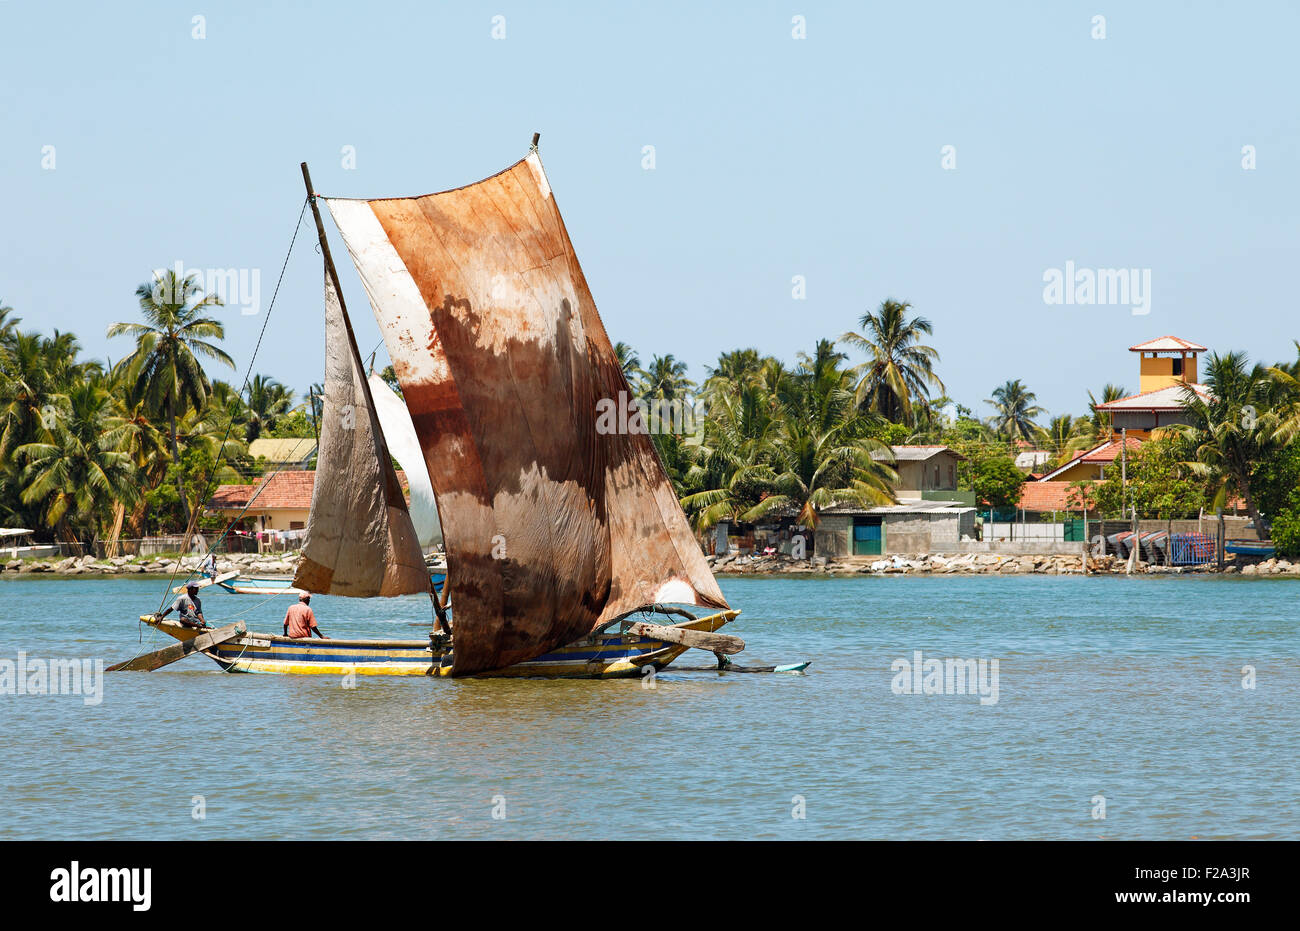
(775, 157)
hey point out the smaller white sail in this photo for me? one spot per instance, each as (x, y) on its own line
(399, 433)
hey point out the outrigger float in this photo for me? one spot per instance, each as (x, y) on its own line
(564, 541)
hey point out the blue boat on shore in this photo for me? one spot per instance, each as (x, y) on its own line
(1261, 548)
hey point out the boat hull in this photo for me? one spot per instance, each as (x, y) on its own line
(600, 656)
(1249, 548)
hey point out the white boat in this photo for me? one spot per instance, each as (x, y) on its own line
(15, 543)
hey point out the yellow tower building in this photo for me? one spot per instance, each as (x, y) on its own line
(1165, 362)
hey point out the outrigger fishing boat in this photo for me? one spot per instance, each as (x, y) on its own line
(564, 538)
(614, 652)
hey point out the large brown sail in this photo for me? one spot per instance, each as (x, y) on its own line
(360, 540)
(552, 526)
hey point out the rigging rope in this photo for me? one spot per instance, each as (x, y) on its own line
(221, 450)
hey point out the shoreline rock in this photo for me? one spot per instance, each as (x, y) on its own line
(283, 564)
(985, 564)
(252, 563)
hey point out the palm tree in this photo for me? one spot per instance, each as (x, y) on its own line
(1096, 427)
(146, 446)
(821, 468)
(210, 432)
(735, 369)
(81, 473)
(666, 380)
(8, 323)
(931, 422)
(822, 452)
(316, 397)
(1291, 368)
(899, 371)
(628, 361)
(731, 464)
(1015, 411)
(32, 385)
(163, 368)
(1066, 435)
(819, 391)
(1286, 381)
(268, 401)
(1234, 431)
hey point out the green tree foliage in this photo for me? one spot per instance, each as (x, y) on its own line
(164, 368)
(82, 448)
(994, 477)
(267, 402)
(82, 471)
(1016, 411)
(899, 371)
(665, 380)
(1159, 483)
(1235, 432)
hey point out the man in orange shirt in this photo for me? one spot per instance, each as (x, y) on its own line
(299, 622)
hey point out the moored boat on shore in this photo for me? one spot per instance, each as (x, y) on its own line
(1259, 548)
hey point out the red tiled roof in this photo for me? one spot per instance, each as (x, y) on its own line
(1109, 452)
(230, 496)
(1046, 496)
(287, 490)
(1166, 344)
(1103, 452)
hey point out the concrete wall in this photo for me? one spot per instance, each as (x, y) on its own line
(1156, 372)
(927, 532)
(1013, 548)
(904, 533)
(279, 519)
(1044, 531)
(915, 478)
(833, 535)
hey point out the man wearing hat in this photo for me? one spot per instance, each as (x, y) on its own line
(188, 608)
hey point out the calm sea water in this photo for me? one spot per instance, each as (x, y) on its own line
(1126, 688)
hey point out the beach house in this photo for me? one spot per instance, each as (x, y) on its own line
(930, 513)
(1167, 370)
(280, 501)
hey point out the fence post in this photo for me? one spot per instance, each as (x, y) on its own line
(1135, 554)
(1220, 541)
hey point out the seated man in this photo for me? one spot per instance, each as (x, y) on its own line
(300, 622)
(188, 608)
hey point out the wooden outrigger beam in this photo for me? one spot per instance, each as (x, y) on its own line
(700, 639)
(178, 651)
(204, 583)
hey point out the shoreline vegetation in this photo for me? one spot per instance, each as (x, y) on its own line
(93, 453)
(723, 566)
